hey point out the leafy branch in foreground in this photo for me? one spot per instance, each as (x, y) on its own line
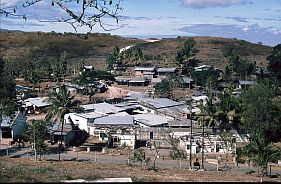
(77, 13)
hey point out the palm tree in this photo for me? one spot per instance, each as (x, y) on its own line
(62, 103)
(228, 110)
(261, 151)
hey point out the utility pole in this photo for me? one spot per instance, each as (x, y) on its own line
(203, 147)
(190, 141)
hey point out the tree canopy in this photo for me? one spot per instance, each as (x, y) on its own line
(274, 59)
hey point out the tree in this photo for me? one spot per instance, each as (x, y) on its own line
(241, 67)
(62, 103)
(7, 91)
(36, 134)
(175, 152)
(274, 59)
(200, 77)
(260, 110)
(84, 13)
(261, 151)
(176, 81)
(229, 143)
(163, 89)
(185, 56)
(112, 58)
(228, 110)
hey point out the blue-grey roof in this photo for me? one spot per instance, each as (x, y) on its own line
(246, 82)
(156, 80)
(6, 121)
(150, 69)
(161, 102)
(138, 79)
(22, 88)
(151, 119)
(187, 80)
(171, 70)
(102, 108)
(115, 120)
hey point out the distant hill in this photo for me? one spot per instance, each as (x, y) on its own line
(95, 47)
(210, 51)
(92, 47)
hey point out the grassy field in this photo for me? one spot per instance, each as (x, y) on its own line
(15, 170)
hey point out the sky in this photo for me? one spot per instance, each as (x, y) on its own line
(250, 20)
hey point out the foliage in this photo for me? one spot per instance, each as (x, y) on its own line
(274, 59)
(201, 77)
(260, 110)
(261, 151)
(138, 156)
(241, 67)
(229, 143)
(163, 89)
(7, 90)
(175, 152)
(184, 57)
(62, 103)
(228, 110)
(36, 134)
(112, 58)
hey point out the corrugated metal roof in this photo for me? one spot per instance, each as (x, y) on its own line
(144, 69)
(91, 115)
(38, 102)
(102, 108)
(151, 119)
(156, 80)
(115, 120)
(166, 70)
(138, 79)
(161, 102)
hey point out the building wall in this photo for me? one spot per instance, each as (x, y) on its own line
(77, 120)
(18, 126)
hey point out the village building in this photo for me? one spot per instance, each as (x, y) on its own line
(139, 81)
(12, 127)
(166, 71)
(145, 72)
(36, 105)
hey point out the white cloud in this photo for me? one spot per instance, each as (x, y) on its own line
(213, 3)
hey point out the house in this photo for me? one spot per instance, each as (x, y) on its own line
(123, 80)
(82, 119)
(166, 71)
(145, 72)
(36, 104)
(74, 88)
(22, 91)
(88, 68)
(157, 80)
(188, 82)
(67, 133)
(202, 68)
(139, 81)
(243, 84)
(115, 130)
(12, 127)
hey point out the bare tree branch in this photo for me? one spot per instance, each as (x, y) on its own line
(91, 12)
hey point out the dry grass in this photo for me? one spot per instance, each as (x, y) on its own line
(26, 170)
